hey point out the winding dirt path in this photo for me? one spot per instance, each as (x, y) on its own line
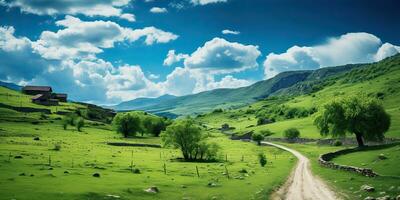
(302, 185)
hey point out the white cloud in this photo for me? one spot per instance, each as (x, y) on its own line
(87, 38)
(346, 49)
(227, 31)
(174, 58)
(158, 10)
(128, 17)
(106, 8)
(221, 56)
(152, 35)
(386, 50)
(205, 2)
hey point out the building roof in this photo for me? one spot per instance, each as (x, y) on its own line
(37, 88)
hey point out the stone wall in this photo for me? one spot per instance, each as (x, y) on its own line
(324, 160)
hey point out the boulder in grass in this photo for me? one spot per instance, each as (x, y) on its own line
(367, 188)
(398, 197)
(387, 197)
(112, 196)
(152, 189)
(369, 198)
(382, 157)
(97, 175)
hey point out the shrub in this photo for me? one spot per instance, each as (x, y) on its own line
(266, 133)
(80, 122)
(262, 159)
(337, 143)
(257, 137)
(291, 133)
(218, 110)
(57, 146)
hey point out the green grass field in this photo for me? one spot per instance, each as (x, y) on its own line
(69, 175)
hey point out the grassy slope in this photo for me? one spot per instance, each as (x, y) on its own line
(89, 153)
(388, 83)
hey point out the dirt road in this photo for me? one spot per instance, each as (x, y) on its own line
(302, 185)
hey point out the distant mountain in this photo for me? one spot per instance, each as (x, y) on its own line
(141, 103)
(11, 86)
(231, 98)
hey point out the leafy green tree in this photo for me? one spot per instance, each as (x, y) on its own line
(361, 115)
(128, 124)
(262, 159)
(185, 135)
(291, 133)
(257, 137)
(80, 122)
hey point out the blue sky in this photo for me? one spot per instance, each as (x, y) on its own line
(114, 50)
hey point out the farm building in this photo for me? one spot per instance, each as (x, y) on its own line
(44, 99)
(60, 97)
(44, 95)
(35, 90)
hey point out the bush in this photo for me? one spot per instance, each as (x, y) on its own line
(218, 110)
(80, 122)
(257, 137)
(291, 133)
(266, 133)
(337, 143)
(262, 159)
(57, 146)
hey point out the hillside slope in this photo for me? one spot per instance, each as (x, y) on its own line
(296, 106)
(233, 98)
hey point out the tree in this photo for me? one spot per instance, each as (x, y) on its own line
(186, 135)
(80, 122)
(257, 137)
(127, 124)
(291, 133)
(361, 115)
(262, 159)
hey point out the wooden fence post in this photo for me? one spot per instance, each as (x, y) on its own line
(197, 170)
(226, 171)
(165, 168)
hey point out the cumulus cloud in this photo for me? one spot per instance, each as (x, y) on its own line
(205, 2)
(386, 50)
(86, 38)
(106, 8)
(221, 56)
(128, 17)
(227, 31)
(174, 58)
(158, 10)
(18, 60)
(346, 49)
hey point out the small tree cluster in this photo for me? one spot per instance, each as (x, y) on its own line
(73, 120)
(187, 136)
(262, 159)
(257, 137)
(128, 124)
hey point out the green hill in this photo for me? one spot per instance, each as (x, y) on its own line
(233, 98)
(295, 106)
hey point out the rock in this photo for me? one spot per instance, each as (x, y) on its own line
(18, 157)
(387, 197)
(97, 175)
(382, 156)
(113, 196)
(214, 198)
(36, 138)
(211, 184)
(369, 198)
(398, 197)
(367, 188)
(152, 189)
